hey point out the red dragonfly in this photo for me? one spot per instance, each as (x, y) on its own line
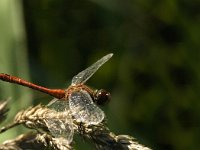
(78, 97)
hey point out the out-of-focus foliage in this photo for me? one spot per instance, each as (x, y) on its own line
(13, 58)
(154, 76)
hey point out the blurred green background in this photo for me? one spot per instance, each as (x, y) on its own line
(154, 76)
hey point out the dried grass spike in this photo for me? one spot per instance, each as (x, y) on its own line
(3, 110)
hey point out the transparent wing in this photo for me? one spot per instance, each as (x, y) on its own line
(84, 75)
(84, 109)
(60, 129)
(59, 121)
(58, 104)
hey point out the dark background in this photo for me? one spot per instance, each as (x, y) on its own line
(154, 75)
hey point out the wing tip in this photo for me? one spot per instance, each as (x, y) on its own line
(110, 55)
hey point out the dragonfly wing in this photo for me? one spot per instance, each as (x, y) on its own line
(84, 109)
(84, 75)
(58, 104)
(60, 124)
(59, 121)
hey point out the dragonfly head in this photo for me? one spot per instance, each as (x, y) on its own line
(101, 97)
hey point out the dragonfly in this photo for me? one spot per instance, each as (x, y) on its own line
(78, 99)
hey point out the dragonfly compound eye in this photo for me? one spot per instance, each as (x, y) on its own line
(102, 97)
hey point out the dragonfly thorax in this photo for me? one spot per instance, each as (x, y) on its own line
(78, 87)
(99, 97)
